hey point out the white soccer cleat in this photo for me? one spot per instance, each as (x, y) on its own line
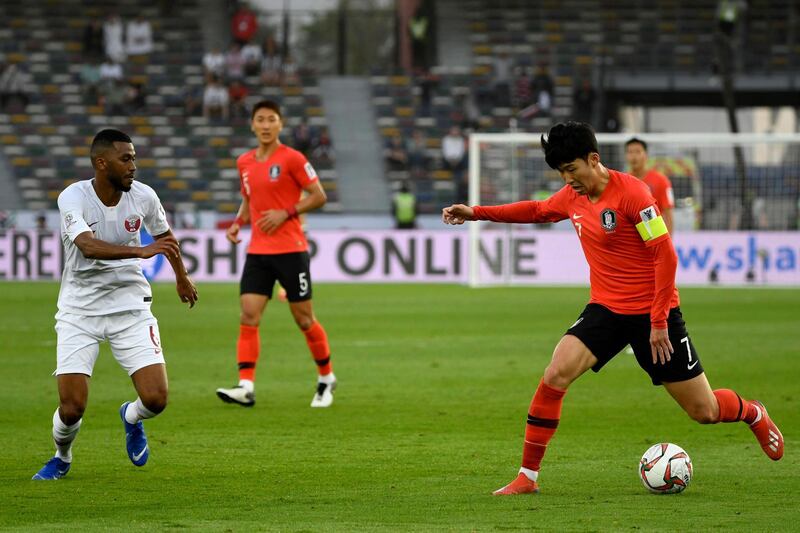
(238, 395)
(324, 394)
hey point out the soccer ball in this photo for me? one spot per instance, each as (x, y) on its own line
(665, 468)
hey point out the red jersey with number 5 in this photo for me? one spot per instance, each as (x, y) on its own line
(275, 183)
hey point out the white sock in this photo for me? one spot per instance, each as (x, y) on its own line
(247, 385)
(63, 435)
(136, 411)
(327, 378)
(530, 474)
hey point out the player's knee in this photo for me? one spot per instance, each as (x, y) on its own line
(71, 411)
(703, 414)
(156, 400)
(304, 322)
(249, 318)
(556, 376)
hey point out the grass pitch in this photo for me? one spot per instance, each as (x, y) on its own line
(435, 382)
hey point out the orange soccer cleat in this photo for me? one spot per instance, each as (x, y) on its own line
(521, 485)
(767, 433)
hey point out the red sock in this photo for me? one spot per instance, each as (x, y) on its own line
(247, 350)
(732, 408)
(317, 341)
(543, 417)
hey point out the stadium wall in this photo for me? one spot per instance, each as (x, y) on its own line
(534, 257)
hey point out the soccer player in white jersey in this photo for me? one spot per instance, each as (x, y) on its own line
(105, 296)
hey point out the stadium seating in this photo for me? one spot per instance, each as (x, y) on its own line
(190, 161)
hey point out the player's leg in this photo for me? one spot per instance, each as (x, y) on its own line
(248, 350)
(136, 344)
(73, 394)
(591, 342)
(571, 358)
(77, 348)
(294, 274)
(255, 290)
(317, 341)
(684, 379)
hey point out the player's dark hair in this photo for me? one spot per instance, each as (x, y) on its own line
(568, 141)
(635, 140)
(266, 104)
(105, 139)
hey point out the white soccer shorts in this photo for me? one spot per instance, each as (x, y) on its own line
(133, 336)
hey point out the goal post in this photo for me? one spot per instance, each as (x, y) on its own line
(713, 189)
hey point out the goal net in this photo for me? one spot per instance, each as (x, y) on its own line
(721, 183)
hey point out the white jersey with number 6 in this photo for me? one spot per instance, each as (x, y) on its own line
(93, 287)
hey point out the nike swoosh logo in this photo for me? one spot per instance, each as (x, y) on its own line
(692, 365)
(576, 216)
(138, 456)
(93, 223)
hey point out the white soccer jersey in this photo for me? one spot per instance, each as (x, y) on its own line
(95, 287)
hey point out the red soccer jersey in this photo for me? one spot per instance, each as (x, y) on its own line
(276, 183)
(661, 189)
(624, 270)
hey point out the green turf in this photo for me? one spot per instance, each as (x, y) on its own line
(435, 383)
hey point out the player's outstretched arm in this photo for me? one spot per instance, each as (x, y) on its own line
(184, 284)
(92, 248)
(457, 214)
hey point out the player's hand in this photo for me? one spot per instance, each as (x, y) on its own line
(232, 233)
(167, 246)
(271, 220)
(187, 291)
(660, 346)
(457, 214)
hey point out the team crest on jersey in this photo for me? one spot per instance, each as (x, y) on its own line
(608, 219)
(133, 223)
(274, 172)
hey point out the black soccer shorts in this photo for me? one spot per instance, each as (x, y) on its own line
(606, 333)
(291, 270)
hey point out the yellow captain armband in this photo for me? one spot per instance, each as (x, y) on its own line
(652, 225)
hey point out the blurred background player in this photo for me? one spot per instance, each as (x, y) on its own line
(634, 300)
(660, 186)
(105, 296)
(273, 178)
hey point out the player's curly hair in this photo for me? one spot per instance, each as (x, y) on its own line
(568, 141)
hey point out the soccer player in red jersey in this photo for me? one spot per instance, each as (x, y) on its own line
(634, 301)
(273, 178)
(660, 186)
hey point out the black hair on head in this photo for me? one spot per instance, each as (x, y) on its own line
(267, 104)
(568, 141)
(636, 140)
(105, 139)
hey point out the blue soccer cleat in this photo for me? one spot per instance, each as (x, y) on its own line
(55, 468)
(135, 439)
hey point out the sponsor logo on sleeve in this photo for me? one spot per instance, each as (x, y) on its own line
(69, 220)
(648, 213)
(310, 172)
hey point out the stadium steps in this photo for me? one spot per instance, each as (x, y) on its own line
(358, 149)
(451, 19)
